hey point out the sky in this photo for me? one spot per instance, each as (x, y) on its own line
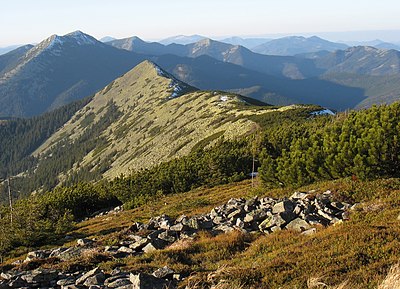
(28, 21)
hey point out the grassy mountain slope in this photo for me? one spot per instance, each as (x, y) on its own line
(157, 118)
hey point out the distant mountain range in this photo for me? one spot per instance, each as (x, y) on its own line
(57, 71)
(361, 60)
(296, 45)
(291, 67)
(182, 39)
(107, 39)
(246, 42)
(60, 69)
(4, 50)
(375, 43)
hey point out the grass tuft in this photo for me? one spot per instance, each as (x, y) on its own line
(392, 280)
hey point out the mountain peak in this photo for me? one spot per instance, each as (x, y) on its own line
(182, 39)
(150, 76)
(204, 42)
(51, 43)
(80, 38)
(314, 37)
(107, 39)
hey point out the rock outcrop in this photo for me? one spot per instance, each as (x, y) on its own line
(302, 212)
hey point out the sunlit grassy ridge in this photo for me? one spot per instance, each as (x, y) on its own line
(153, 125)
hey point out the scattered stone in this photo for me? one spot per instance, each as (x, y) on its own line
(40, 276)
(218, 220)
(134, 237)
(149, 248)
(299, 196)
(298, 213)
(84, 242)
(97, 279)
(40, 254)
(178, 227)
(235, 213)
(163, 273)
(70, 253)
(87, 275)
(111, 249)
(193, 223)
(72, 287)
(223, 228)
(57, 252)
(298, 225)
(119, 283)
(7, 275)
(144, 281)
(309, 232)
(284, 206)
(240, 223)
(67, 281)
(124, 249)
(167, 236)
(206, 224)
(255, 215)
(274, 221)
(275, 229)
(138, 245)
(18, 283)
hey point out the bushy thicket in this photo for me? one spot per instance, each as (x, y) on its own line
(363, 145)
(227, 161)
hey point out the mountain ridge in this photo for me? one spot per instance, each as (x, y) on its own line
(292, 45)
(59, 70)
(157, 118)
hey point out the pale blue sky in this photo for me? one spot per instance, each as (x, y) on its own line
(28, 21)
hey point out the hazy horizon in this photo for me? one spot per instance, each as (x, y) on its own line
(33, 21)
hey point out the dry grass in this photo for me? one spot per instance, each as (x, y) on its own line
(198, 201)
(221, 279)
(358, 251)
(392, 280)
(315, 283)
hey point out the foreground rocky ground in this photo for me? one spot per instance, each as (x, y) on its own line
(302, 212)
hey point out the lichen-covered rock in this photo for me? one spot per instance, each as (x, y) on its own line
(145, 281)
